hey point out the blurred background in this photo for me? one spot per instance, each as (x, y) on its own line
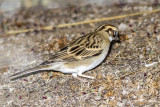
(128, 77)
(10, 7)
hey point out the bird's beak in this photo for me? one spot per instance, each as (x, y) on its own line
(116, 38)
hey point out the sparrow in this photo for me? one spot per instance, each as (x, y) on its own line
(80, 55)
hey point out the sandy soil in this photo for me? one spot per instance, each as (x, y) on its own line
(129, 76)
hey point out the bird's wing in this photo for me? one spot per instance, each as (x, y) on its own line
(82, 48)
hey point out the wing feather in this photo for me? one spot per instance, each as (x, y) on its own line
(82, 48)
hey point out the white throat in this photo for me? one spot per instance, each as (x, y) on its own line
(110, 38)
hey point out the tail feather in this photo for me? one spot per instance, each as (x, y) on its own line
(28, 72)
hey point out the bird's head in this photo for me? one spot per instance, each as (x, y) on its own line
(111, 30)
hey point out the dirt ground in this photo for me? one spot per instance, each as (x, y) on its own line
(129, 76)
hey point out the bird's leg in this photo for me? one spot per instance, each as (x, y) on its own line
(75, 76)
(85, 76)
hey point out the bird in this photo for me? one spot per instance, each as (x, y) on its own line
(80, 55)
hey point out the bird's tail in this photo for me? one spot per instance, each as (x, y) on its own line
(28, 72)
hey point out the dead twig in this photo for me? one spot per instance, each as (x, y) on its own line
(49, 28)
(130, 73)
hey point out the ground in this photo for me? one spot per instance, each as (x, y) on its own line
(129, 76)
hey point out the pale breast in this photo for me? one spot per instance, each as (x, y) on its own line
(84, 65)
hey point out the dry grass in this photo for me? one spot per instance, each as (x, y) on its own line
(50, 28)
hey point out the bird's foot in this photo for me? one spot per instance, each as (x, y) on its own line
(75, 75)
